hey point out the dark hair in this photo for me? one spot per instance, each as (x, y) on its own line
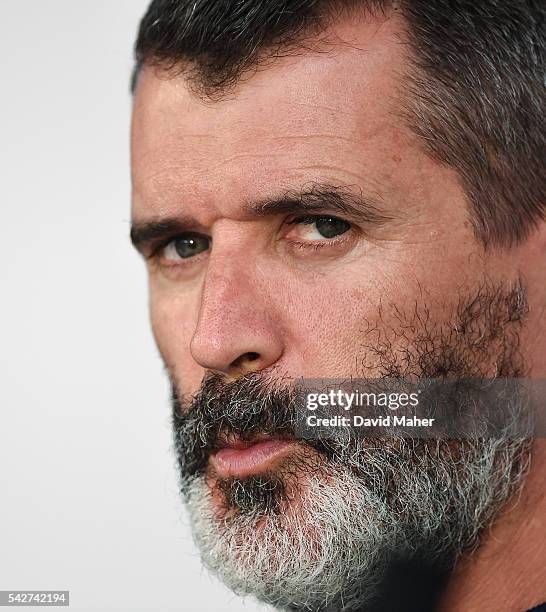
(477, 91)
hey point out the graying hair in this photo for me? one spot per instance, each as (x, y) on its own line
(476, 99)
(402, 500)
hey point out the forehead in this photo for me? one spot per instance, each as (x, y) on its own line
(326, 114)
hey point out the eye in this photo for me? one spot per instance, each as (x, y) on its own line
(320, 228)
(184, 247)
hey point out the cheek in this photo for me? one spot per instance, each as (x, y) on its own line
(324, 325)
(173, 320)
(337, 325)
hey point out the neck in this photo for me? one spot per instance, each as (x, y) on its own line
(508, 571)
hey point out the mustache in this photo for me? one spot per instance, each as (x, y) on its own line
(237, 410)
(484, 328)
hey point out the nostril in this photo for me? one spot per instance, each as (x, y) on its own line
(246, 357)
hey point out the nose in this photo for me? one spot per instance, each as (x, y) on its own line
(236, 331)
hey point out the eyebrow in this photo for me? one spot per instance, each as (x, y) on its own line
(322, 197)
(317, 198)
(144, 234)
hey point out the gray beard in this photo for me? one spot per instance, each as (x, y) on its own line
(353, 518)
(324, 536)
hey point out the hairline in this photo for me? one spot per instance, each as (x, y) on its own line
(422, 100)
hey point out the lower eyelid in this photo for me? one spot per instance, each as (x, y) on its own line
(316, 245)
(310, 245)
(182, 261)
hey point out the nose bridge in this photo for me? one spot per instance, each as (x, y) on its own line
(226, 279)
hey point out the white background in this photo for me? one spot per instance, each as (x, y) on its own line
(88, 491)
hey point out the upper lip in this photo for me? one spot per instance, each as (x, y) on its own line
(237, 443)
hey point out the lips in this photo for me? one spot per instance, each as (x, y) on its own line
(241, 459)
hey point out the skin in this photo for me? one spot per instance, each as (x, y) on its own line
(256, 301)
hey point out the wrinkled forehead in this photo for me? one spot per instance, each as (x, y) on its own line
(298, 111)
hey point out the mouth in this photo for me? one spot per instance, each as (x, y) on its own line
(240, 459)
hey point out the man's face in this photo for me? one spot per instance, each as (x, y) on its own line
(243, 282)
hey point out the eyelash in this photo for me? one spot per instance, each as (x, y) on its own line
(314, 247)
(307, 220)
